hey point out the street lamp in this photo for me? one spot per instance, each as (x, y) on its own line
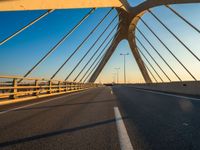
(117, 70)
(114, 77)
(124, 65)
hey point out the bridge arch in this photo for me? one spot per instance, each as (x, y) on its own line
(131, 18)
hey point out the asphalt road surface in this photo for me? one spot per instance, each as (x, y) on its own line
(104, 119)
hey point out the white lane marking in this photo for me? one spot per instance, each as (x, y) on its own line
(25, 106)
(111, 92)
(167, 94)
(124, 140)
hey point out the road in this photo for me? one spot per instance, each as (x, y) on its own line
(87, 120)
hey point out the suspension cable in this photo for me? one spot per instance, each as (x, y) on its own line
(184, 19)
(98, 62)
(172, 54)
(113, 38)
(80, 45)
(96, 52)
(26, 26)
(176, 37)
(93, 46)
(150, 64)
(153, 58)
(59, 43)
(155, 48)
(151, 73)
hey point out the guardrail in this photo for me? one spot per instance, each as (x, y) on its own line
(13, 87)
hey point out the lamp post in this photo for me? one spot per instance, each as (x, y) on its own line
(117, 70)
(126, 54)
(114, 77)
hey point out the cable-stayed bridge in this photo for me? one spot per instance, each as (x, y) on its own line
(77, 112)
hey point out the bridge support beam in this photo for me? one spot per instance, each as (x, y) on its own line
(139, 60)
(105, 59)
(126, 32)
(109, 53)
(14, 5)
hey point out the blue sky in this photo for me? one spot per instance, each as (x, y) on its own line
(23, 51)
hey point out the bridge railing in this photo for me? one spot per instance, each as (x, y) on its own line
(13, 87)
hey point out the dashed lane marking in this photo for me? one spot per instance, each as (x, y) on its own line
(124, 140)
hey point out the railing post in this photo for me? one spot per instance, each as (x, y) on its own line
(70, 86)
(59, 86)
(14, 89)
(66, 86)
(75, 86)
(80, 86)
(36, 88)
(50, 87)
(86, 86)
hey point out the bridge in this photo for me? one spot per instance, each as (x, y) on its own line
(67, 108)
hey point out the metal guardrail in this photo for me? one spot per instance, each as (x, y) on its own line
(13, 87)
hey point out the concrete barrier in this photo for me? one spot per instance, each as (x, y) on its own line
(186, 87)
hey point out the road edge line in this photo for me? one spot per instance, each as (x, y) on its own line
(36, 103)
(168, 94)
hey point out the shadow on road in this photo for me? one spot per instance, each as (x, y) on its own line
(63, 105)
(162, 122)
(55, 133)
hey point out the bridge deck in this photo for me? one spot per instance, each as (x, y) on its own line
(86, 120)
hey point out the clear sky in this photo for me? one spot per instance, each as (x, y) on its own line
(22, 52)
